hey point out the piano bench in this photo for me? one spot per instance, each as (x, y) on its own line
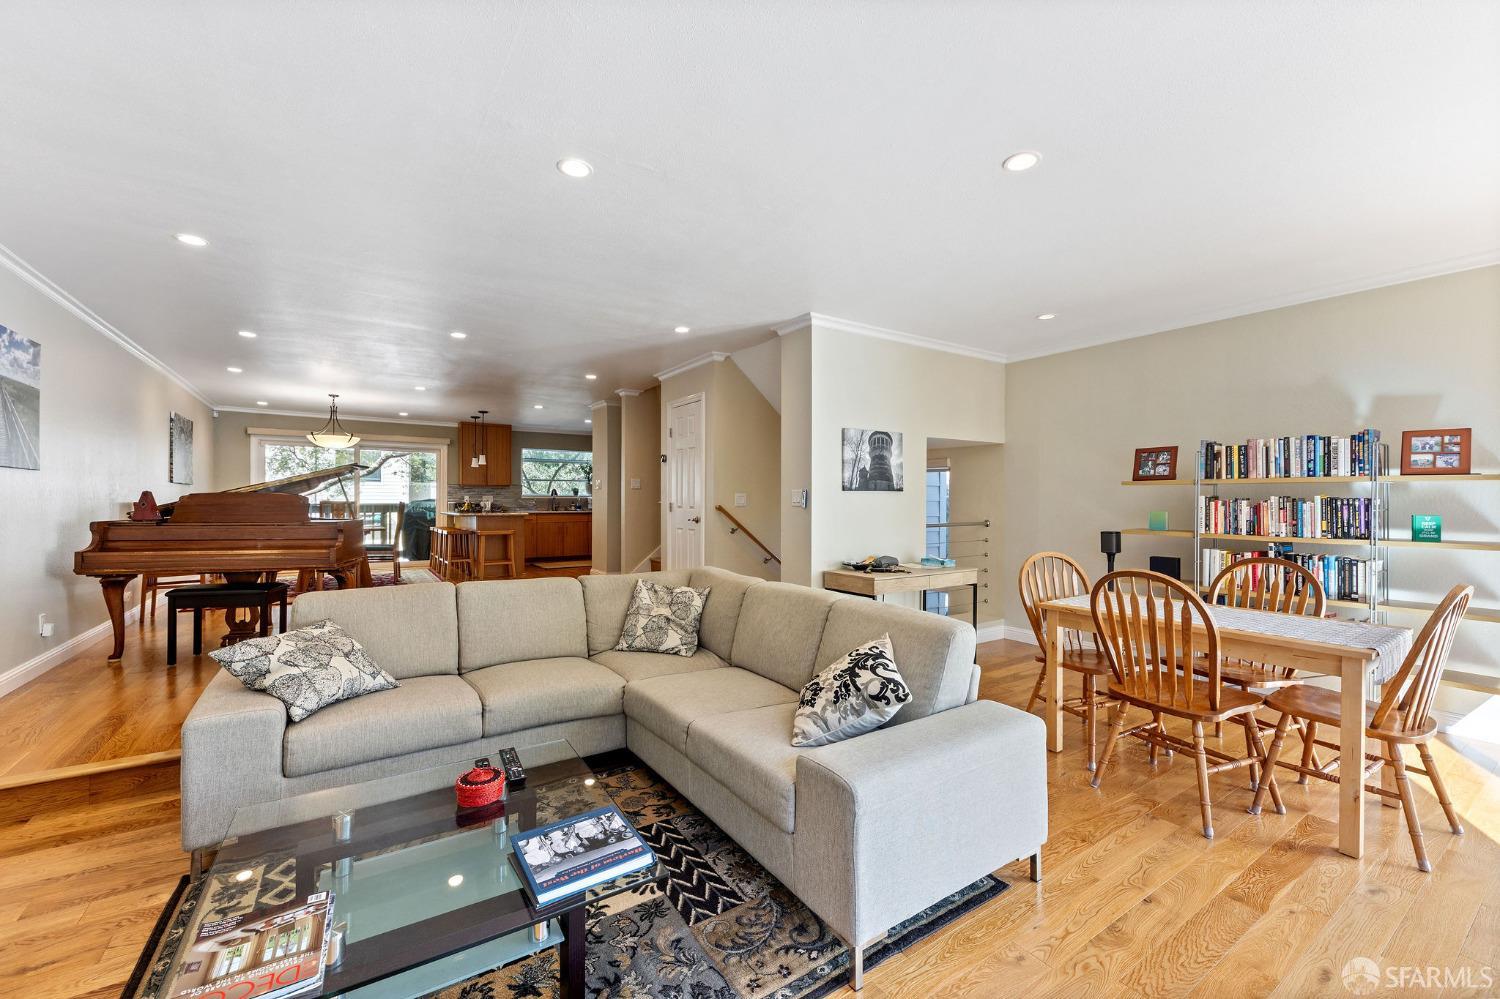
(221, 596)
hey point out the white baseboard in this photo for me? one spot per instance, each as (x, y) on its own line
(18, 676)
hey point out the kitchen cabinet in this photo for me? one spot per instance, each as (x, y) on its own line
(559, 535)
(494, 443)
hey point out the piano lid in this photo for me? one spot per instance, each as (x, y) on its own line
(239, 505)
(302, 482)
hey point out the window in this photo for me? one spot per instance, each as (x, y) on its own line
(571, 473)
(937, 537)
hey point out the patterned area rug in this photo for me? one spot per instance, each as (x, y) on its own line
(716, 926)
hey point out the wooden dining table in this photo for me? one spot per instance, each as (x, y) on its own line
(1321, 647)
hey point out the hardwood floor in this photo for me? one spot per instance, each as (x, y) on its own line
(1134, 901)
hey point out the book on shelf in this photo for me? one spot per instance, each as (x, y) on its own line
(1303, 456)
(1342, 577)
(1310, 518)
(574, 855)
(271, 952)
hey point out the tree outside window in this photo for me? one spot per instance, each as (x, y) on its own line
(571, 473)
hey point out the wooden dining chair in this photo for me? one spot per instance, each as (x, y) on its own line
(1402, 717)
(392, 545)
(1153, 628)
(1281, 586)
(1052, 576)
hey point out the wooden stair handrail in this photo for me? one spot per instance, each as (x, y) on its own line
(770, 555)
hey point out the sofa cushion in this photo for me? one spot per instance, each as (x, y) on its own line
(605, 599)
(425, 712)
(536, 692)
(750, 753)
(722, 611)
(935, 653)
(632, 666)
(409, 630)
(508, 620)
(669, 705)
(780, 625)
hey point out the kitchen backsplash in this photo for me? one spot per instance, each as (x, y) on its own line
(507, 496)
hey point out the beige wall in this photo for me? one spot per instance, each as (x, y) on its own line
(640, 462)
(104, 416)
(742, 455)
(875, 384)
(796, 456)
(1419, 355)
(974, 494)
(606, 521)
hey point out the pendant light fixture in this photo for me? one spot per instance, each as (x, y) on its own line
(332, 434)
(481, 458)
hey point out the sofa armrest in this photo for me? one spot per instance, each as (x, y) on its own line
(231, 756)
(891, 822)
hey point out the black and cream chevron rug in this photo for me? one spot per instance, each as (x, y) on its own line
(716, 926)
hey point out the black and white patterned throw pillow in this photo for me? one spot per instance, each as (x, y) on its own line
(860, 692)
(662, 619)
(307, 669)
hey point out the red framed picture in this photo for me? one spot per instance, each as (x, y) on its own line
(1155, 463)
(1436, 452)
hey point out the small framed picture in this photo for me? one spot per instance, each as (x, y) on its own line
(1155, 463)
(1436, 452)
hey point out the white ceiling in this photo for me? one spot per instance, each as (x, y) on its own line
(373, 175)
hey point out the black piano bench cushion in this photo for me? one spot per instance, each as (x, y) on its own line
(307, 669)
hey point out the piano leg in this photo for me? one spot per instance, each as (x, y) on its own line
(114, 602)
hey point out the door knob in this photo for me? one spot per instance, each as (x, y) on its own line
(696, 520)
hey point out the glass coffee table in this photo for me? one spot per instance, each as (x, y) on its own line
(425, 895)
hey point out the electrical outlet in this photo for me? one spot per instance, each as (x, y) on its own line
(44, 627)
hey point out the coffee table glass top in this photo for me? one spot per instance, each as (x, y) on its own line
(425, 895)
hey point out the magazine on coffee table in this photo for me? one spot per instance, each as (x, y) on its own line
(571, 856)
(272, 952)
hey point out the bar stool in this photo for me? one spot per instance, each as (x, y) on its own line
(461, 544)
(482, 560)
(437, 551)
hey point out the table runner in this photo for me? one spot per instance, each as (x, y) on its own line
(1390, 644)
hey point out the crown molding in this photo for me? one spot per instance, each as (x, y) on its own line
(43, 284)
(627, 393)
(567, 431)
(342, 416)
(809, 319)
(603, 403)
(712, 357)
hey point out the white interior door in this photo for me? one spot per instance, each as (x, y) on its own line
(685, 483)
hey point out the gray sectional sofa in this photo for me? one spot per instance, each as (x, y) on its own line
(867, 832)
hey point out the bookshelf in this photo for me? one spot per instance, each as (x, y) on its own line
(1377, 601)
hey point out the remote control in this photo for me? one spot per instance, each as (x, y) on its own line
(515, 774)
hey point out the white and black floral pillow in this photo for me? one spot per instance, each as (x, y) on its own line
(307, 669)
(860, 692)
(662, 619)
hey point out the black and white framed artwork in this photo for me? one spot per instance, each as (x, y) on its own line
(872, 461)
(20, 401)
(180, 451)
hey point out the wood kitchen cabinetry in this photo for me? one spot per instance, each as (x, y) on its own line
(494, 443)
(559, 535)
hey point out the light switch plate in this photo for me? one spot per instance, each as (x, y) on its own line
(799, 498)
(635, 483)
(741, 499)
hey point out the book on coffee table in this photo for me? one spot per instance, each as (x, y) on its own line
(571, 856)
(268, 953)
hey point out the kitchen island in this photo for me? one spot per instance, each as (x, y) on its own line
(536, 535)
(500, 537)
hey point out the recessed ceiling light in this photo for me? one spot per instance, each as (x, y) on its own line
(588, 421)
(1047, 315)
(233, 370)
(591, 377)
(261, 402)
(403, 414)
(419, 388)
(1024, 160)
(247, 334)
(537, 406)
(191, 240)
(683, 329)
(459, 335)
(455, 881)
(574, 167)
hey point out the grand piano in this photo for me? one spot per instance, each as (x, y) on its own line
(241, 533)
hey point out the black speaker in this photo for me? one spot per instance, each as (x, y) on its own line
(1109, 542)
(1167, 565)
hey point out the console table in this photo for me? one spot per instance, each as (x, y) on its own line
(912, 579)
